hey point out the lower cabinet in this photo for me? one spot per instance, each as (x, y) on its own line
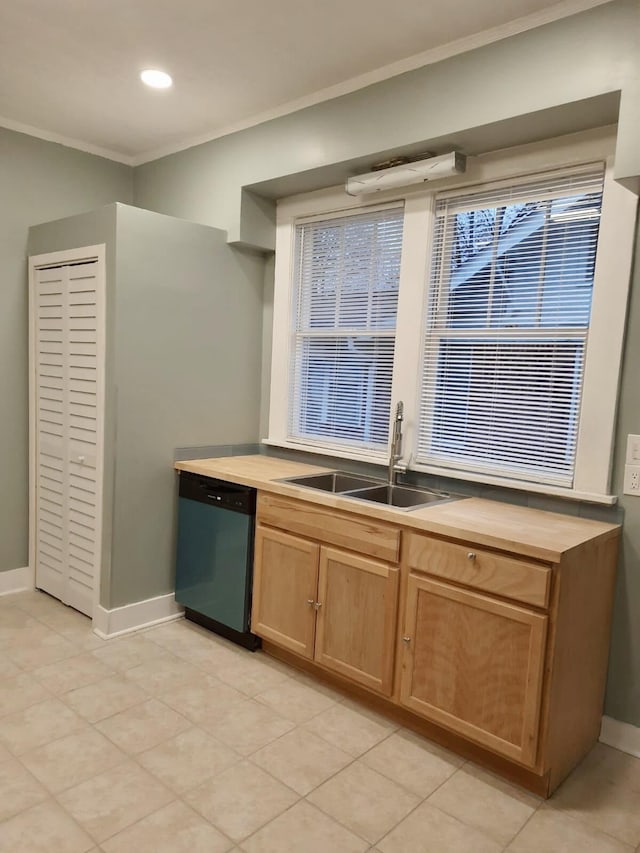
(285, 582)
(475, 665)
(326, 604)
(357, 611)
(504, 651)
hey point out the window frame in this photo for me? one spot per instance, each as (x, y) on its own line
(603, 358)
(330, 444)
(485, 469)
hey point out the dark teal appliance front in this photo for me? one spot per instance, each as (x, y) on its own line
(215, 550)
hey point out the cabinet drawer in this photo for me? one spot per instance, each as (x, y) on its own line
(330, 526)
(502, 575)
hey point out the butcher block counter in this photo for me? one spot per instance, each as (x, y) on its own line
(539, 534)
(481, 624)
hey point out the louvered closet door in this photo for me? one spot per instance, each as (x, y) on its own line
(68, 409)
(51, 475)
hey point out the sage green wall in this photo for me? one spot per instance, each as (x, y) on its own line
(552, 80)
(183, 369)
(623, 689)
(541, 83)
(39, 181)
(527, 87)
(187, 349)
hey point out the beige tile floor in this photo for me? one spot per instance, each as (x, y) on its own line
(173, 740)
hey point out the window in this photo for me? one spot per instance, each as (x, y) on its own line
(493, 304)
(346, 275)
(506, 329)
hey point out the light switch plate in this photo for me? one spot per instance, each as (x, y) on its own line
(633, 450)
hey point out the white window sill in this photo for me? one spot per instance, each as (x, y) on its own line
(520, 485)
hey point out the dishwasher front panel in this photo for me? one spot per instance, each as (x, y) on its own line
(214, 557)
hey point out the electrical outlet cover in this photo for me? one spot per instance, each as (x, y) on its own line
(632, 480)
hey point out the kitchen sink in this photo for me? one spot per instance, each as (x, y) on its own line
(369, 489)
(402, 497)
(334, 481)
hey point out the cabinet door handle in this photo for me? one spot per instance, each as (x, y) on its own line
(406, 640)
(317, 605)
(311, 602)
(471, 555)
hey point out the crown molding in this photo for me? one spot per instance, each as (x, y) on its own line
(562, 9)
(67, 141)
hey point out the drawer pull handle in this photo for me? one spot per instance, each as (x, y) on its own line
(406, 640)
(471, 555)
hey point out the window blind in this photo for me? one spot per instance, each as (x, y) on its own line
(507, 318)
(347, 271)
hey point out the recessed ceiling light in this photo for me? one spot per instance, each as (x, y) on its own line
(156, 79)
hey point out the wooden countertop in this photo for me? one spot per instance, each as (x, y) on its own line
(530, 532)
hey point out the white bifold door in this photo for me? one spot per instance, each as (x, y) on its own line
(67, 322)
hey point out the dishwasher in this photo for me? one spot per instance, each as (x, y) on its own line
(214, 560)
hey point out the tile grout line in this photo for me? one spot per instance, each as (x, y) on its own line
(126, 757)
(477, 829)
(53, 740)
(39, 783)
(585, 823)
(241, 758)
(422, 802)
(192, 725)
(149, 696)
(354, 759)
(531, 816)
(181, 797)
(297, 726)
(177, 799)
(256, 831)
(248, 757)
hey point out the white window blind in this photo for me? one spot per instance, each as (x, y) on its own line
(346, 276)
(507, 319)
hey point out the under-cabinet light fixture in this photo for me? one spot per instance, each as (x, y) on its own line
(443, 166)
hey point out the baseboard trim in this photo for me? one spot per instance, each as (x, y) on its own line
(134, 617)
(16, 580)
(622, 736)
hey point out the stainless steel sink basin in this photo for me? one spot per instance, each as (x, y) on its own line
(369, 489)
(402, 497)
(335, 481)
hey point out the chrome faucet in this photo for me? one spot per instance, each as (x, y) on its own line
(396, 444)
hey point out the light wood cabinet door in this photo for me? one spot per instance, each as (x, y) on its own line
(285, 582)
(355, 633)
(475, 665)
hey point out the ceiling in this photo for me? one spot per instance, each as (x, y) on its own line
(69, 69)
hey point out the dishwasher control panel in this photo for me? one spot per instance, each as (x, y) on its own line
(220, 493)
